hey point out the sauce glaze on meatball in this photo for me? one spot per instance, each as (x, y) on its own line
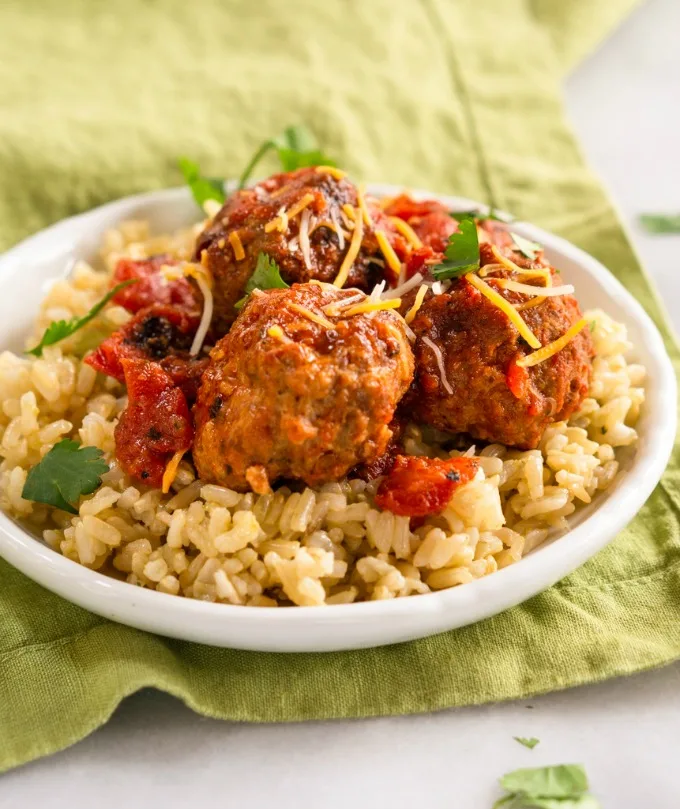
(285, 396)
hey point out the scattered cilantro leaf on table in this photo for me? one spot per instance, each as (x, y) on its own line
(530, 743)
(525, 246)
(64, 474)
(563, 786)
(296, 148)
(59, 330)
(660, 222)
(202, 188)
(462, 252)
(267, 275)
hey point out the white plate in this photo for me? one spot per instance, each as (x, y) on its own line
(25, 272)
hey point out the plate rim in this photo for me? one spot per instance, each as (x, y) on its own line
(485, 597)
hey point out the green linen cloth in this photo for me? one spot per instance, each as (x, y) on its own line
(98, 99)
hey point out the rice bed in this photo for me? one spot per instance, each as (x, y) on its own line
(307, 547)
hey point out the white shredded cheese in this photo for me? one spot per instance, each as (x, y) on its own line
(440, 364)
(303, 236)
(206, 316)
(407, 286)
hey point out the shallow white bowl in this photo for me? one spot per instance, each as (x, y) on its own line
(27, 270)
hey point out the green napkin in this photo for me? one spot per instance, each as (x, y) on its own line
(99, 99)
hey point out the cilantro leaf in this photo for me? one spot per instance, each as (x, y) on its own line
(61, 329)
(525, 246)
(462, 252)
(482, 217)
(202, 188)
(530, 743)
(660, 222)
(296, 148)
(267, 275)
(534, 802)
(64, 474)
(560, 781)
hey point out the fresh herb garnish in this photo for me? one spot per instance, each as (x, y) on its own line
(564, 786)
(525, 246)
(296, 148)
(462, 252)
(202, 188)
(530, 743)
(64, 474)
(660, 222)
(482, 217)
(267, 275)
(61, 329)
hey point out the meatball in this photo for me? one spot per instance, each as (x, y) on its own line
(300, 388)
(489, 396)
(309, 243)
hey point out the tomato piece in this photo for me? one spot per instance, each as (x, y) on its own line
(419, 260)
(151, 287)
(152, 334)
(434, 229)
(406, 208)
(155, 424)
(417, 487)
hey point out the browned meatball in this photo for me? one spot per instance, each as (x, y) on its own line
(492, 398)
(286, 396)
(249, 218)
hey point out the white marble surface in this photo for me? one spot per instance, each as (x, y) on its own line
(625, 105)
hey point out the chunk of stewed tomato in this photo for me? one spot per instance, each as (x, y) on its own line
(155, 425)
(417, 487)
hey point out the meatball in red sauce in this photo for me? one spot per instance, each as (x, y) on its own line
(467, 377)
(300, 388)
(303, 220)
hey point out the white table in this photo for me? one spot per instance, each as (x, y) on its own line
(625, 104)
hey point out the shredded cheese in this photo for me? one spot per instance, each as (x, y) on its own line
(372, 306)
(170, 472)
(202, 276)
(303, 237)
(437, 288)
(279, 191)
(349, 211)
(506, 262)
(407, 286)
(351, 254)
(440, 364)
(487, 269)
(236, 245)
(387, 251)
(333, 309)
(527, 289)
(340, 233)
(552, 348)
(536, 301)
(507, 308)
(406, 231)
(361, 199)
(337, 174)
(279, 222)
(300, 205)
(206, 315)
(417, 303)
(312, 315)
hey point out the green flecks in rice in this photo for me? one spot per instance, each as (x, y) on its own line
(305, 547)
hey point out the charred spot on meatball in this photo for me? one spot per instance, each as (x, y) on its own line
(297, 405)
